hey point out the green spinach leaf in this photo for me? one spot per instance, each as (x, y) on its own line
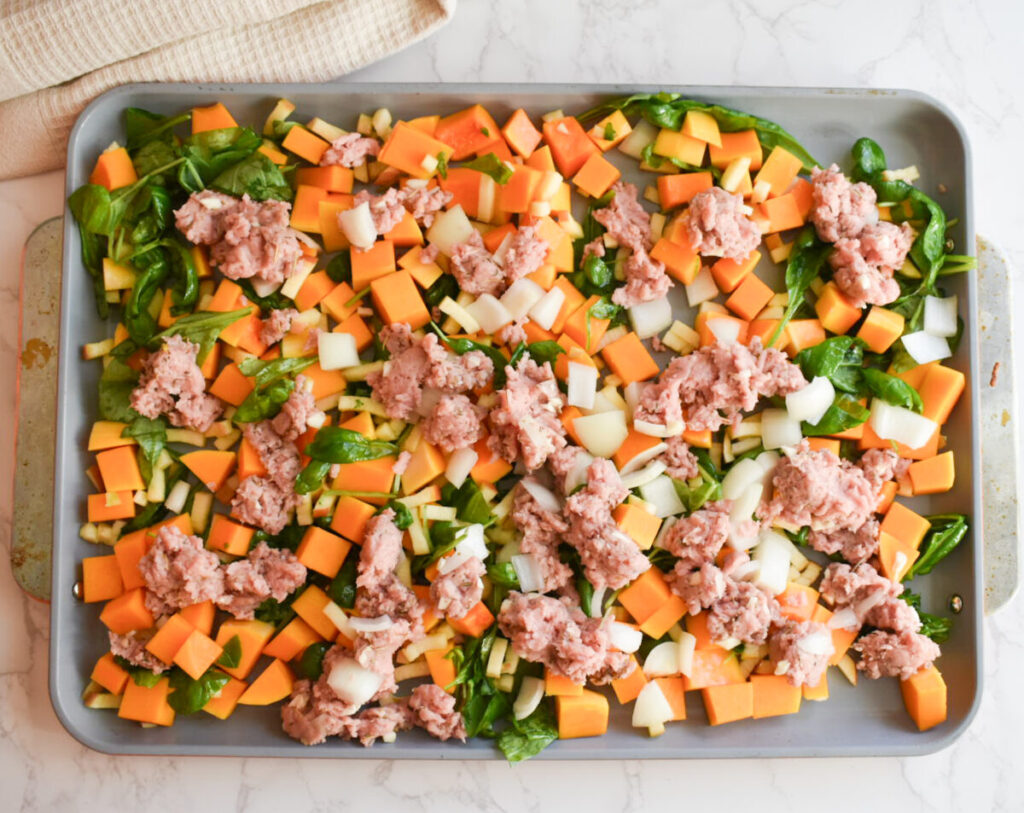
(528, 737)
(490, 164)
(115, 389)
(947, 531)
(232, 654)
(256, 176)
(845, 413)
(840, 359)
(806, 261)
(202, 328)
(189, 696)
(892, 390)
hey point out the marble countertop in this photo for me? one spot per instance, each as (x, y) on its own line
(967, 54)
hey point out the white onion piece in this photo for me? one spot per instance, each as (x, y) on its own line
(596, 600)
(768, 461)
(844, 619)
(545, 498)
(460, 464)
(744, 506)
(489, 313)
(743, 474)
(531, 579)
(925, 348)
(816, 643)
(661, 493)
(582, 385)
(522, 295)
(702, 289)
(651, 709)
(662, 661)
(531, 692)
(449, 229)
(631, 394)
(379, 624)
(546, 309)
(940, 316)
(636, 479)
(602, 403)
(643, 458)
(264, 287)
(778, 429)
(642, 134)
(812, 402)
(486, 198)
(177, 498)
(725, 331)
(337, 351)
(624, 637)
(868, 603)
(746, 570)
(772, 556)
(650, 318)
(357, 224)
(900, 424)
(657, 430)
(686, 645)
(602, 433)
(471, 543)
(352, 683)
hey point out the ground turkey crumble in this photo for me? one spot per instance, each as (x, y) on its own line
(458, 591)
(455, 422)
(246, 238)
(266, 501)
(545, 630)
(350, 150)
(416, 364)
(179, 571)
(172, 384)
(710, 387)
(718, 226)
(525, 424)
(609, 557)
(265, 573)
(542, 531)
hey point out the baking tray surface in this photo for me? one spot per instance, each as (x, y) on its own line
(866, 721)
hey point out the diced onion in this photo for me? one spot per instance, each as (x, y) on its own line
(940, 316)
(624, 637)
(471, 543)
(778, 429)
(449, 229)
(650, 318)
(489, 313)
(661, 493)
(521, 296)
(545, 498)
(546, 309)
(582, 385)
(651, 709)
(357, 224)
(657, 430)
(460, 464)
(744, 506)
(641, 459)
(925, 348)
(531, 692)
(379, 624)
(337, 351)
(812, 402)
(353, 684)
(900, 424)
(816, 643)
(528, 571)
(662, 660)
(636, 479)
(602, 433)
(686, 645)
(702, 289)
(772, 556)
(844, 619)
(743, 474)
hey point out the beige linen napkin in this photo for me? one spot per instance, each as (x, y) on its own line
(96, 45)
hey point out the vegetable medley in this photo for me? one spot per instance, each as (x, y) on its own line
(438, 453)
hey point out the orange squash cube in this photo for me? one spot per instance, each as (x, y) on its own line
(397, 299)
(881, 329)
(170, 638)
(197, 654)
(585, 715)
(596, 176)
(305, 144)
(749, 298)
(147, 704)
(675, 190)
(229, 536)
(101, 579)
(214, 117)
(521, 134)
(322, 551)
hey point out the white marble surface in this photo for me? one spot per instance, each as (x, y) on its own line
(969, 55)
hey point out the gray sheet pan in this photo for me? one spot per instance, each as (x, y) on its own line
(868, 720)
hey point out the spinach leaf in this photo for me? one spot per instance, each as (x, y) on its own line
(311, 664)
(403, 516)
(698, 491)
(491, 165)
(202, 328)
(528, 737)
(947, 531)
(275, 612)
(936, 627)
(502, 573)
(151, 435)
(92, 259)
(595, 277)
(151, 157)
(288, 539)
(142, 127)
(517, 355)
(138, 320)
(339, 269)
(334, 444)
(468, 501)
(232, 654)
(115, 389)
(546, 351)
(806, 260)
(891, 389)
(591, 228)
(845, 413)
(256, 176)
(481, 703)
(668, 110)
(840, 359)
(209, 153)
(189, 696)
(271, 302)
(342, 589)
(312, 476)
(463, 346)
(273, 386)
(442, 165)
(444, 286)
(186, 286)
